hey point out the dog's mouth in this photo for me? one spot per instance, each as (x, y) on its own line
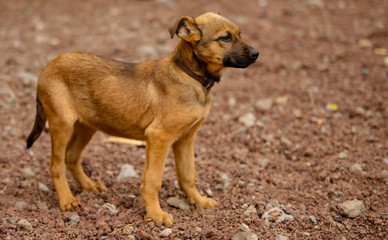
(241, 61)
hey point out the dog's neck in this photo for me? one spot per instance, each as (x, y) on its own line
(186, 59)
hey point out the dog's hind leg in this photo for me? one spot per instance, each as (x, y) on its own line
(81, 137)
(61, 116)
(61, 132)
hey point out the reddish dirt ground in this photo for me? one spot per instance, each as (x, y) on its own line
(317, 97)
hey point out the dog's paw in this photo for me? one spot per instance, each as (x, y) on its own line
(160, 218)
(69, 204)
(207, 203)
(95, 187)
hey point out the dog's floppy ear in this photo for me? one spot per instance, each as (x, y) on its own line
(186, 28)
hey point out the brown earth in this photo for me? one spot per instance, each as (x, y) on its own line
(318, 95)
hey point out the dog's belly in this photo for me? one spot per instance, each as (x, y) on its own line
(128, 121)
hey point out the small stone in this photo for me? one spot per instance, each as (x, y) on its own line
(351, 209)
(42, 206)
(342, 155)
(250, 210)
(209, 192)
(165, 233)
(313, 219)
(386, 61)
(281, 237)
(24, 224)
(268, 207)
(384, 174)
(20, 204)
(297, 113)
(248, 119)
(178, 203)
(27, 173)
(224, 183)
(28, 77)
(12, 219)
(356, 168)
(73, 220)
(365, 43)
(276, 215)
(264, 104)
(263, 162)
(43, 187)
(315, 3)
(282, 100)
(127, 171)
(232, 102)
(244, 233)
(112, 209)
(386, 161)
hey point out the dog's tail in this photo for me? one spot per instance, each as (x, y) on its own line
(40, 121)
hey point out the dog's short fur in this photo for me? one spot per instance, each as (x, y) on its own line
(155, 101)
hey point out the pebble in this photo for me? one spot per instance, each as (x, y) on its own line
(250, 210)
(384, 174)
(11, 220)
(225, 182)
(356, 168)
(43, 187)
(281, 237)
(276, 214)
(386, 161)
(342, 155)
(24, 224)
(244, 233)
(351, 209)
(42, 206)
(73, 220)
(263, 162)
(365, 43)
(127, 171)
(165, 233)
(178, 203)
(27, 173)
(386, 61)
(264, 104)
(248, 119)
(209, 192)
(313, 219)
(282, 100)
(268, 207)
(112, 209)
(232, 102)
(20, 204)
(28, 77)
(315, 3)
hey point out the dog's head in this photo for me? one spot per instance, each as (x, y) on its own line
(215, 40)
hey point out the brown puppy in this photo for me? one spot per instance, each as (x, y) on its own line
(162, 102)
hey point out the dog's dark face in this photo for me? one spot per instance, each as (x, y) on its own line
(216, 41)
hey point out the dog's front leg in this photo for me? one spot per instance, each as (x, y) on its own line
(158, 145)
(185, 166)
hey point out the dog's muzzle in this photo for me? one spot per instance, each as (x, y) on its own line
(242, 60)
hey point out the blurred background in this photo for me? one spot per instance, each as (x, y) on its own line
(303, 130)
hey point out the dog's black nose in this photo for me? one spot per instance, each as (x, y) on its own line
(253, 53)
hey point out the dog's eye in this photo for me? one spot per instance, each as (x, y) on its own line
(226, 38)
